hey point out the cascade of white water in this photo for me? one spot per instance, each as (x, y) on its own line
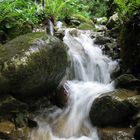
(87, 60)
(90, 74)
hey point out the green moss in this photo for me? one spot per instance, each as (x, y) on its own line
(86, 26)
(35, 64)
(22, 43)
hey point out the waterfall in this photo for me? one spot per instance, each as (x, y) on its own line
(89, 77)
(50, 28)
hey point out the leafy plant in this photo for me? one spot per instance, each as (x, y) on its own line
(17, 17)
(97, 8)
(20, 10)
(126, 8)
(66, 8)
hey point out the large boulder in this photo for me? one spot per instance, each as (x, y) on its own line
(32, 65)
(130, 45)
(114, 108)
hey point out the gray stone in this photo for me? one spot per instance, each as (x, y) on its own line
(113, 108)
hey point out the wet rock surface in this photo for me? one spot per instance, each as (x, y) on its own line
(127, 81)
(61, 97)
(111, 133)
(101, 40)
(108, 44)
(119, 103)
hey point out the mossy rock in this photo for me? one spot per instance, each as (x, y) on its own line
(86, 26)
(32, 65)
(114, 108)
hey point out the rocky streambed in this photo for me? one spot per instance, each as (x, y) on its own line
(32, 68)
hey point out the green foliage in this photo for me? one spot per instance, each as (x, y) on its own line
(97, 8)
(66, 8)
(17, 17)
(20, 11)
(126, 8)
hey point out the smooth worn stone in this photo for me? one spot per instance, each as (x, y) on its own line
(113, 109)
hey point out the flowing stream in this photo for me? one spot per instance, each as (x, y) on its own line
(89, 77)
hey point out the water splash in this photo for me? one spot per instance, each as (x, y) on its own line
(90, 77)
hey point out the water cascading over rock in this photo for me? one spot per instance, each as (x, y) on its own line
(88, 77)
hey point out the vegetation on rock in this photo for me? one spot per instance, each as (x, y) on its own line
(34, 64)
